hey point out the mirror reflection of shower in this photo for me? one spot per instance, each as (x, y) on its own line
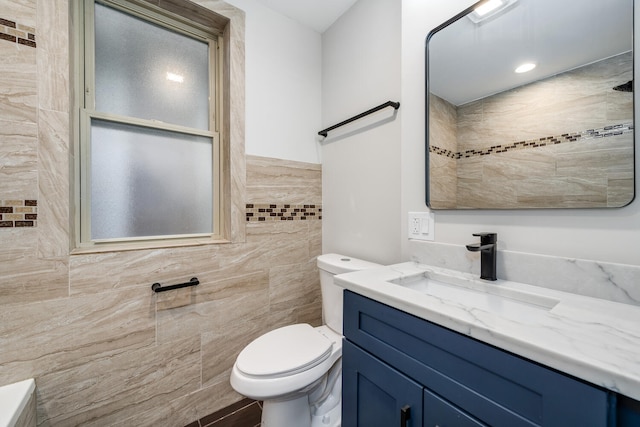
(560, 135)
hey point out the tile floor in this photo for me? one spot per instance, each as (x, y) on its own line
(245, 413)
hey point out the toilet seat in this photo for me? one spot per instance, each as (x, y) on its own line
(284, 351)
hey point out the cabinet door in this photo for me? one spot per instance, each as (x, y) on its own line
(440, 413)
(376, 395)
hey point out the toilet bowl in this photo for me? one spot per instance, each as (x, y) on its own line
(296, 370)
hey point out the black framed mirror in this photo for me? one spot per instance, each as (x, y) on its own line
(558, 136)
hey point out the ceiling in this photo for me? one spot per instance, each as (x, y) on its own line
(315, 14)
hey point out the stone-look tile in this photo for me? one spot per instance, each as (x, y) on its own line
(284, 181)
(567, 192)
(315, 238)
(53, 55)
(442, 169)
(269, 244)
(620, 189)
(53, 183)
(52, 23)
(220, 349)
(294, 285)
(52, 336)
(18, 154)
(53, 81)
(309, 313)
(443, 120)
(22, 11)
(26, 278)
(118, 387)
(220, 306)
(99, 272)
(18, 65)
(18, 91)
(443, 188)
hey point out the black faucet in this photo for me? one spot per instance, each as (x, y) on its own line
(487, 249)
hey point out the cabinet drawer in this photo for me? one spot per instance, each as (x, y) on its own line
(494, 386)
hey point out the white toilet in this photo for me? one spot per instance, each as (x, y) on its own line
(297, 370)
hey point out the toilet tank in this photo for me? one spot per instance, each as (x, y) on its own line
(330, 265)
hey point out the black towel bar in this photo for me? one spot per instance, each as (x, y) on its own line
(157, 287)
(395, 106)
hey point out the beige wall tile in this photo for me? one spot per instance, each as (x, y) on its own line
(272, 181)
(53, 183)
(22, 11)
(56, 335)
(118, 387)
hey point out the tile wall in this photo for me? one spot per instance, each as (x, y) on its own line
(565, 141)
(103, 348)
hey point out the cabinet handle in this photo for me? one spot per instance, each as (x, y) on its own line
(405, 415)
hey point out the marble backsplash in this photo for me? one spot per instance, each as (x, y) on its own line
(610, 281)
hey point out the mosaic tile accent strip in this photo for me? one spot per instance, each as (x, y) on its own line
(604, 132)
(258, 212)
(17, 33)
(18, 213)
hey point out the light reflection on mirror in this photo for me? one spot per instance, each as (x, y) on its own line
(558, 136)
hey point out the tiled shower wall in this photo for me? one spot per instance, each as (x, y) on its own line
(103, 348)
(563, 141)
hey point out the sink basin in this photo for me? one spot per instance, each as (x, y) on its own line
(475, 293)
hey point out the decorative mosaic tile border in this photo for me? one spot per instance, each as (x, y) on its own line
(14, 32)
(604, 132)
(18, 213)
(282, 212)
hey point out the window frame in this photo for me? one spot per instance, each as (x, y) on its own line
(85, 111)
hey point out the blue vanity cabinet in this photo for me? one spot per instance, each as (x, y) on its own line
(391, 357)
(375, 394)
(628, 412)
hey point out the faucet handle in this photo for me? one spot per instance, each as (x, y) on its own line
(487, 238)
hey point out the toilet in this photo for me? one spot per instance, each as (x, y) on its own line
(296, 370)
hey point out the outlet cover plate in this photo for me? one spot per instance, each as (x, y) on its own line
(421, 225)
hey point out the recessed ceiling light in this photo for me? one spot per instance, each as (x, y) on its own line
(525, 67)
(488, 9)
(173, 77)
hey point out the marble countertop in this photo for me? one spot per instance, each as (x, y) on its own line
(592, 339)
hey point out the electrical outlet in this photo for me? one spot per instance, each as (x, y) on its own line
(414, 225)
(421, 225)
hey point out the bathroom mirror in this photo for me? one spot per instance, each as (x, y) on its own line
(558, 136)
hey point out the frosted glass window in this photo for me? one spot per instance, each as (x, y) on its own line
(147, 71)
(149, 182)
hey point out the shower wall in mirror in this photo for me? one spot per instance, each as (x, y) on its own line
(561, 138)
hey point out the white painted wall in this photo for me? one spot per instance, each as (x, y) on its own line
(361, 166)
(611, 235)
(283, 85)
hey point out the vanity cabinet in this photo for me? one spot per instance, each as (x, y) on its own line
(399, 369)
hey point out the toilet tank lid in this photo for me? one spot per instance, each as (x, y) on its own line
(337, 264)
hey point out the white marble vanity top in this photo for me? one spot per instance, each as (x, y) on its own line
(592, 339)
